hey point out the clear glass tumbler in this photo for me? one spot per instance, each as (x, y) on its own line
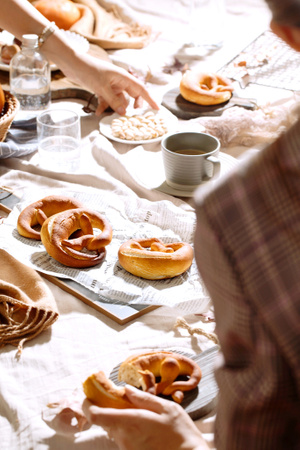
(206, 23)
(59, 135)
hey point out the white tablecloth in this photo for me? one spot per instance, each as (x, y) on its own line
(83, 340)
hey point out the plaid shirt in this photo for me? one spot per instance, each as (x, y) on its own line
(247, 246)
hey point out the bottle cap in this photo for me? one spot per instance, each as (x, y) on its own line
(30, 40)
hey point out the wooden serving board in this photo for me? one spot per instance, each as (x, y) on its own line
(200, 401)
(183, 109)
(120, 312)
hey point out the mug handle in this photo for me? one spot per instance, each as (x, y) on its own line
(216, 166)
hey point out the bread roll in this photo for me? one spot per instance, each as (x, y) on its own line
(63, 12)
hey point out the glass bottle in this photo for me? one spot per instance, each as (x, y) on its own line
(30, 75)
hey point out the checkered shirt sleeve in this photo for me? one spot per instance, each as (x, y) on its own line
(247, 246)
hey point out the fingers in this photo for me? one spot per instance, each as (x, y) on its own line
(118, 102)
(140, 399)
(144, 400)
(137, 91)
(102, 106)
(138, 102)
(126, 83)
(109, 418)
(116, 87)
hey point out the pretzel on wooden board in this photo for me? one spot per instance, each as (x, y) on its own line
(153, 260)
(205, 88)
(57, 231)
(36, 213)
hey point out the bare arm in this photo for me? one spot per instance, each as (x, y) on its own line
(110, 83)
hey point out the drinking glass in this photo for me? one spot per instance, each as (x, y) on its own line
(206, 23)
(59, 136)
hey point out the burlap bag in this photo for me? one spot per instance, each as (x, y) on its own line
(27, 306)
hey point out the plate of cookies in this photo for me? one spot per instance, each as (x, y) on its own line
(138, 126)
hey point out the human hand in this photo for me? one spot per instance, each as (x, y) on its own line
(159, 424)
(111, 84)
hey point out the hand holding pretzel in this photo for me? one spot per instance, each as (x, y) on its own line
(57, 231)
(158, 424)
(142, 371)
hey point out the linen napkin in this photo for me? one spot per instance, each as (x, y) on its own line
(109, 27)
(27, 306)
(21, 139)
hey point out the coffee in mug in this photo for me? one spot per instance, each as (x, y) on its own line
(189, 158)
(190, 151)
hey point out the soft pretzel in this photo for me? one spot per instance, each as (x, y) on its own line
(57, 230)
(104, 393)
(205, 88)
(142, 371)
(36, 213)
(154, 260)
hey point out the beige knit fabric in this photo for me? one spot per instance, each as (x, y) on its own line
(27, 306)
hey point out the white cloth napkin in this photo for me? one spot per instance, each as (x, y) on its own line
(21, 139)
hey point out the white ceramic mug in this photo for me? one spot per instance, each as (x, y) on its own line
(189, 158)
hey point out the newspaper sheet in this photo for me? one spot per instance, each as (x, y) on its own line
(130, 218)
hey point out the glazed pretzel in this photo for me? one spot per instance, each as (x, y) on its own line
(154, 260)
(142, 371)
(57, 231)
(205, 88)
(36, 213)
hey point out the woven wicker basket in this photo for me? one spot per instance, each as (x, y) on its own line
(10, 109)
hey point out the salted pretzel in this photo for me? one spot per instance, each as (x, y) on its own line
(36, 213)
(57, 231)
(153, 260)
(205, 88)
(142, 371)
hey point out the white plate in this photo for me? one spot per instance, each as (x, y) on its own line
(79, 42)
(105, 125)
